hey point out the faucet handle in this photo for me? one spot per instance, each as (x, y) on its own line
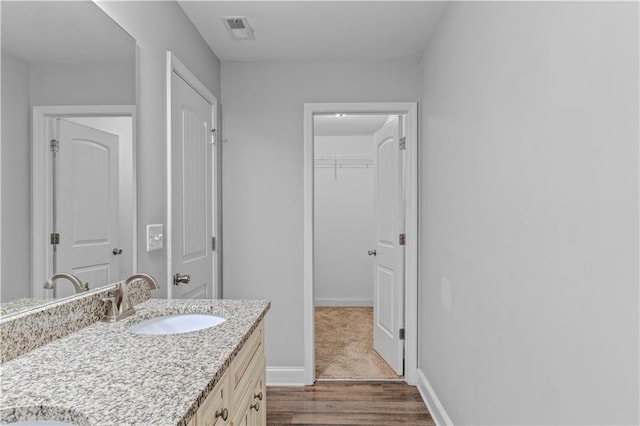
(123, 305)
(111, 310)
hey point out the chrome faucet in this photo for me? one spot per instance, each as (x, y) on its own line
(119, 304)
(151, 282)
(77, 284)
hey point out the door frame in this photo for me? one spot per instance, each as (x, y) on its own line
(410, 111)
(41, 194)
(175, 66)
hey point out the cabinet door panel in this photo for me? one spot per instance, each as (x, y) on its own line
(258, 408)
(245, 362)
(241, 391)
(215, 411)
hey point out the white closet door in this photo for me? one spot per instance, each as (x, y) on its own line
(191, 189)
(87, 206)
(388, 291)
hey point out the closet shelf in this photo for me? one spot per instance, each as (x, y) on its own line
(343, 161)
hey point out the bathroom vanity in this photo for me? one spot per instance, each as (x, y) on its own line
(107, 374)
(239, 398)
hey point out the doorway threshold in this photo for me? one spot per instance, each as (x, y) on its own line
(361, 380)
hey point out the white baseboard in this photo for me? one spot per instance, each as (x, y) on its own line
(321, 301)
(285, 376)
(430, 398)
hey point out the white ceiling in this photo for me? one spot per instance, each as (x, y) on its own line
(63, 32)
(307, 30)
(349, 125)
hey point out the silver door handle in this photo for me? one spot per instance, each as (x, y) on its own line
(181, 279)
(372, 252)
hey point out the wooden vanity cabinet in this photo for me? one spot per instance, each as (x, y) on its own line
(239, 398)
(252, 405)
(215, 411)
(258, 407)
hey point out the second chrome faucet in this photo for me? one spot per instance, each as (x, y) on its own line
(119, 304)
(77, 283)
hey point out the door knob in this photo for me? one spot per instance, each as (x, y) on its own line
(181, 279)
(116, 251)
(372, 252)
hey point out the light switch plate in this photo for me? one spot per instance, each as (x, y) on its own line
(155, 237)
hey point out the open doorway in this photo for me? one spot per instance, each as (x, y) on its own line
(349, 202)
(360, 241)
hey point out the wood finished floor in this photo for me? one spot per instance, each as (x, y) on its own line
(347, 403)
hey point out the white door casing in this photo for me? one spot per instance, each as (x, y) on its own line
(192, 195)
(388, 290)
(87, 205)
(409, 110)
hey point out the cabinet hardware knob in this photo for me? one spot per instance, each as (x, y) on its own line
(224, 414)
(116, 251)
(259, 396)
(256, 406)
(372, 252)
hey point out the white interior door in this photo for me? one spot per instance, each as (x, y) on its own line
(191, 192)
(86, 206)
(388, 291)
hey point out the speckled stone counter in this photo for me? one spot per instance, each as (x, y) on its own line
(19, 305)
(29, 329)
(106, 375)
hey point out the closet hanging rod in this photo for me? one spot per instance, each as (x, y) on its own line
(343, 161)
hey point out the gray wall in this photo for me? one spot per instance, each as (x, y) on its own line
(529, 209)
(16, 179)
(263, 176)
(110, 83)
(158, 27)
(343, 220)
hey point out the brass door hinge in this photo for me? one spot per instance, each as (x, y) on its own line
(402, 239)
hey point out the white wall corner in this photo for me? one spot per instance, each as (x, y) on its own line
(285, 376)
(430, 398)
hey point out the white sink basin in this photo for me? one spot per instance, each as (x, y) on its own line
(45, 415)
(176, 324)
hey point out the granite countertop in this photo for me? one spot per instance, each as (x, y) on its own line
(7, 308)
(105, 375)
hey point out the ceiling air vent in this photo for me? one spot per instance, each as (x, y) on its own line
(238, 28)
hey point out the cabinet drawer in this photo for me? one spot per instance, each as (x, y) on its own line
(216, 409)
(251, 355)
